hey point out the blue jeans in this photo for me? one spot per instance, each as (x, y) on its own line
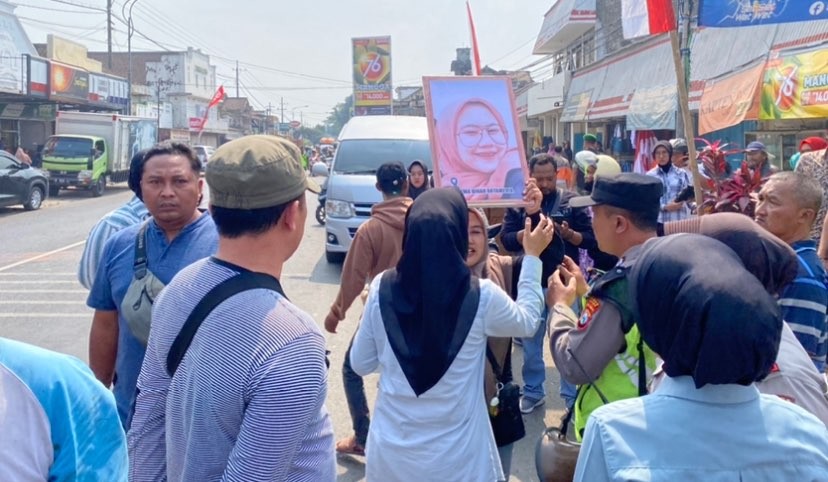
(568, 390)
(534, 370)
(355, 396)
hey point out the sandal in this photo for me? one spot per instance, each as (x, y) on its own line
(350, 446)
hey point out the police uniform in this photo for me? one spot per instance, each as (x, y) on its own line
(602, 351)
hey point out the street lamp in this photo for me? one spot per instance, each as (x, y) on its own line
(293, 111)
(130, 31)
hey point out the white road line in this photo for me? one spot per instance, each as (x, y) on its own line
(43, 291)
(44, 315)
(41, 256)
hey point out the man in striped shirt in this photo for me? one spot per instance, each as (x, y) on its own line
(130, 214)
(788, 205)
(247, 402)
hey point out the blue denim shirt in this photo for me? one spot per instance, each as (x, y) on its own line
(714, 433)
(197, 240)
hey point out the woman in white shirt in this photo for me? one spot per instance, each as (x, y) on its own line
(424, 329)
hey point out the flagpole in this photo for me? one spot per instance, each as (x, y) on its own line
(687, 118)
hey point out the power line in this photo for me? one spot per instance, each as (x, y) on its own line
(77, 27)
(80, 5)
(51, 9)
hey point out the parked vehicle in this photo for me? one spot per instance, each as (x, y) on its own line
(21, 184)
(87, 148)
(204, 154)
(365, 143)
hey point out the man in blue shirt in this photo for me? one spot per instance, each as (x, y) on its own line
(56, 421)
(177, 235)
(130, 214)
(788, 205)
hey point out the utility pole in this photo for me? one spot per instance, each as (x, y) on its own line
(237, 79)
(267, 119)
(109, 34)
(282, 116)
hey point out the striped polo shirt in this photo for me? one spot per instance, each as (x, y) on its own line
(804, 303)
(125, 216)
(247, 402)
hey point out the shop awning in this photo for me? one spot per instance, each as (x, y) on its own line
(563, 23)
(613, 81)
(729, 100)
(548, 95)
(653, 108)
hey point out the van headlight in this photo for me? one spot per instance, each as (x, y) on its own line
(85, 175)
(339, 209)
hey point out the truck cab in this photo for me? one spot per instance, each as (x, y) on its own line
(76, 162)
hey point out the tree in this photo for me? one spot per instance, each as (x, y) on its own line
(341, 114)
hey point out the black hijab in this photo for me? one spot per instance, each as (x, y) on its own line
(414, 192)
(703, 312)
(430, 284)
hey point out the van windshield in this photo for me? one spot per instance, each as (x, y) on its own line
(67, 147)
(364, 156)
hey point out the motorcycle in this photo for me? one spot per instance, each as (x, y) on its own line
(321, 216)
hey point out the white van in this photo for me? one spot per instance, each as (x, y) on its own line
(364, 144)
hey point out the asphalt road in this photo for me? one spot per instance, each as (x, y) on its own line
(42, 303)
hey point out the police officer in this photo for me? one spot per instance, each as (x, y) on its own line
(602, 351)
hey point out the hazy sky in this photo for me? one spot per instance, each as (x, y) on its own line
(304, 37)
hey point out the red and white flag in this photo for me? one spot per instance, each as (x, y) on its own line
(475, 51)
(647, 17)
(217, 97)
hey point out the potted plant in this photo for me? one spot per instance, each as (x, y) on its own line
(726, 191)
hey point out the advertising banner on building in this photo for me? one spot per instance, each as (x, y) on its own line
(69, 84)
(653, 108)
(741, 13)
(38, 77)
(796, 87)
(108, 91)
(372, 75)
(728, 101)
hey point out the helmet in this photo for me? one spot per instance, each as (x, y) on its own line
(556, 456)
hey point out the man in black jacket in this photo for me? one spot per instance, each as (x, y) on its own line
(574, 228)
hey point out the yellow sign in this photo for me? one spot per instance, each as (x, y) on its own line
(796, 87)
(372, 75)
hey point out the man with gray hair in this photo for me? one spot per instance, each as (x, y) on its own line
(788, 205)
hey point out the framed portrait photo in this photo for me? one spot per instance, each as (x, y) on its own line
(475, 138)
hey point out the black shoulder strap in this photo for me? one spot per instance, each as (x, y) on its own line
(493, 361)
(139, 265)
(245, 281)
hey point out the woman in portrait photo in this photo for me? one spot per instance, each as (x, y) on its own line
(476, 153)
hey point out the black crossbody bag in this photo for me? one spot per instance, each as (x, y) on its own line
(507, 425)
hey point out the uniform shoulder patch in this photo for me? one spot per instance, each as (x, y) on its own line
(590, 308)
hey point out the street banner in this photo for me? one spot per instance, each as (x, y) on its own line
(476, 144)
(108, 90)
(796, 87)
(372, 75)
(646, 17)
(217, 97)
(741, 13)
(653, 108)
(68, 83)
(728, 101)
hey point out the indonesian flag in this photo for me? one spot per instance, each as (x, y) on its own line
(475, 51)
(217, 97)
(647, 17)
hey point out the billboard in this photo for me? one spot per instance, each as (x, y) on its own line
(742, 13)
(796, 87)
(730, 100)
(38, 77)
(69, 84)
(108, 91)
(372, 75)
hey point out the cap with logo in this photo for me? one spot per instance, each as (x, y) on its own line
(256, 172)
(630, 191)
(391, 177)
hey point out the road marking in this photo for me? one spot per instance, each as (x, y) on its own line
(44, 315)
(41, 256)
(44, 291)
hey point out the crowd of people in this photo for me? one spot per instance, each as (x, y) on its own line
(689, 347)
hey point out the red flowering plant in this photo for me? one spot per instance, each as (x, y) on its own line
(726, 192)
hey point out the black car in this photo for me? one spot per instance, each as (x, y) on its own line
(21, 183)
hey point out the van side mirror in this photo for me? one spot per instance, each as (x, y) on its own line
(319, 169)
